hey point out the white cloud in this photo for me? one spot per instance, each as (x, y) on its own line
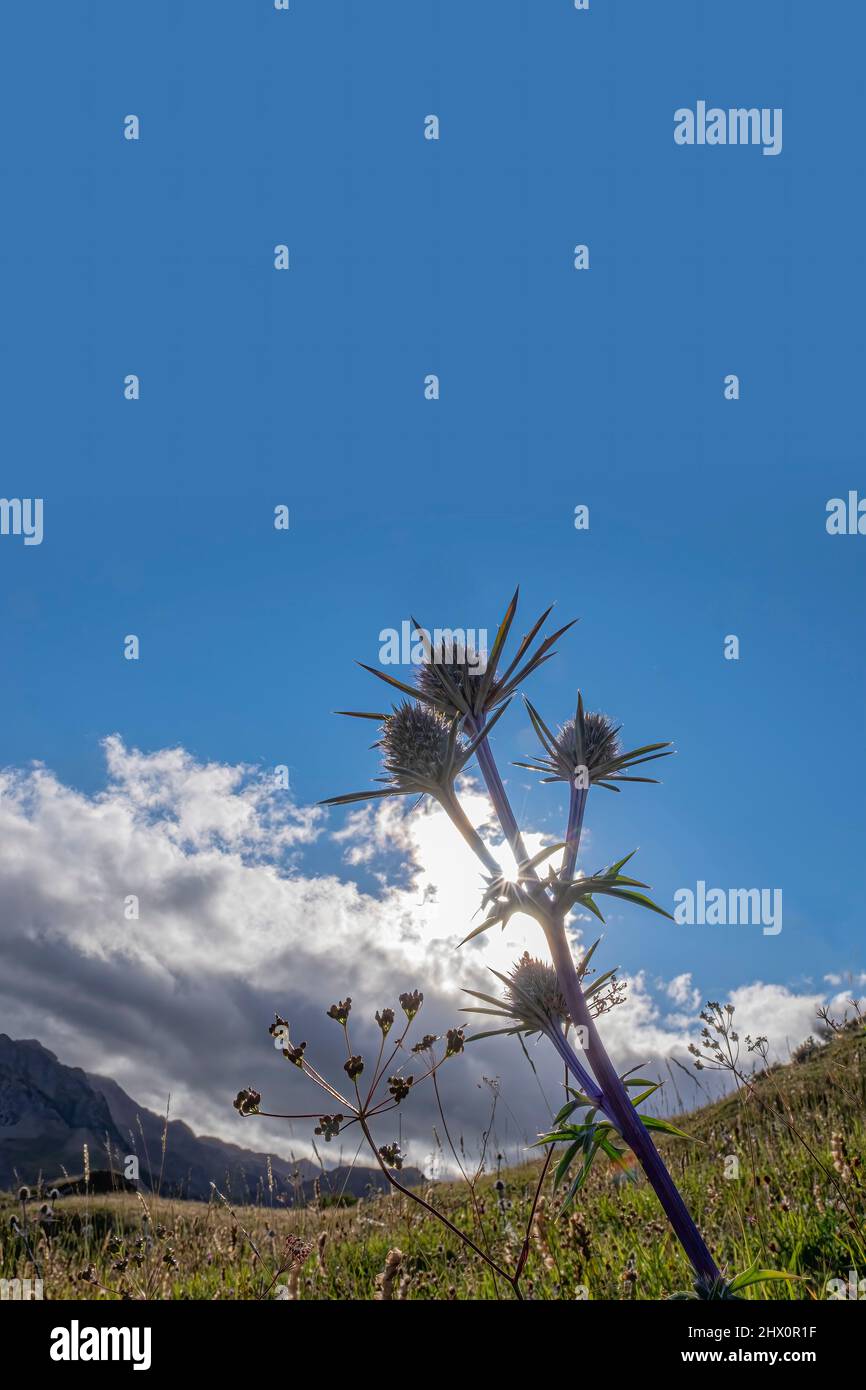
(231, 928)
(854, 980)
(682, 991)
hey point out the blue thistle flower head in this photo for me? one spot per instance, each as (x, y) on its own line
(598, 745)
(422, 753)
(418, 747)
(589, 741)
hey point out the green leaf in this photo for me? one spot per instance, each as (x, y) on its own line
(760, 1276)
(488, 998)
(546, 738)
(583, 964)
(491, 1033)
(538, 658)
(640, 899)
(526, 642)
(476, 931)
(358, 796)
(565, 1163)
(581, 1177)
(588, 902)
(578, 1096)
(665, 1127)
(566, 1112)
(639, 1100)
(615, 868)
(612, 1151)
(498, 644)
(398, 685)
(597, 984)
(561, 1136)
(539, 858)
(361, 714)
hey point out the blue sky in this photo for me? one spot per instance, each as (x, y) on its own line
(603, 387)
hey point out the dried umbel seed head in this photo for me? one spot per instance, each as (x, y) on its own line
(410, 1003)
(247, 1102)
(295, 1055)
(533, 990)
(606, 996)
(453, 1042)
(390, 1153)
(385, 1020)
(419, 748)
(279, 1027)
(341, 1011)
(329, 1126)
(399, 1087)
(353, 1067)
(426, 1042)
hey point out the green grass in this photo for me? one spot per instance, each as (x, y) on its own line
(784, 1211)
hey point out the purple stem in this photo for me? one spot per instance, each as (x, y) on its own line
(511, 830)
(497, 791)
(570, 1058)
(576, 808)
(615, 1099)
(618, 1107)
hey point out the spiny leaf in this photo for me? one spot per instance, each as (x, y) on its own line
(665, 1127)
(761, 1276)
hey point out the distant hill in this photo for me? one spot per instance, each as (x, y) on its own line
(49, 1111)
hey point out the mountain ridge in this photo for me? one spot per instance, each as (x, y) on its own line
(49, 1111)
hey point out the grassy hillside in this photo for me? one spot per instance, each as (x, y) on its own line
(797, 1204)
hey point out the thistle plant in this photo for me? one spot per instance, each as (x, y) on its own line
(445, 719)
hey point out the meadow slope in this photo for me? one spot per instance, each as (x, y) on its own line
(797, 1205)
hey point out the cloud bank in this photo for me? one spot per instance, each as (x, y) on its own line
(231, 928)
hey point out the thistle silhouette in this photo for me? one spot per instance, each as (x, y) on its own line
(426, 741)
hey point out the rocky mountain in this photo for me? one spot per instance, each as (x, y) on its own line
(49, 1111)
